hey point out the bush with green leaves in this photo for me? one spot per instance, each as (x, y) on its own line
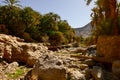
(56, 38)
(41, 28)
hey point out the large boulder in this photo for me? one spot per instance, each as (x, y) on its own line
(48, 67)
(108, 49)
(14, 49)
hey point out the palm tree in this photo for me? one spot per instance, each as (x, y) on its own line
(12, 3)
(30, 17)
(49, 22)
(106, 20)
(106, 10)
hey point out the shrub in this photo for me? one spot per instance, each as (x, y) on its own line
(56, 38)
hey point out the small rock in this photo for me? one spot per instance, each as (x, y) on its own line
(97, 73)
(76, 75)
(11, 68)
(89, 62)
(92, 50)
(87, 74)
(83, 66)
(116, 68)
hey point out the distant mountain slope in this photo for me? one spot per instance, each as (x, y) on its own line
(84, 31)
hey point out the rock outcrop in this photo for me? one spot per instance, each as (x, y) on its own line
(49, 67)
(14, 49)
(108, 49)
(63, 64)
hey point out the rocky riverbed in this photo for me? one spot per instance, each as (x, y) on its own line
(33, 61)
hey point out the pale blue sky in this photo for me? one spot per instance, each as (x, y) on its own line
(74, 11)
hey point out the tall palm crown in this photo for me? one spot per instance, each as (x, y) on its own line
(106, 12)
(12, 2)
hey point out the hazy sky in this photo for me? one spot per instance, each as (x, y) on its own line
(74, 11)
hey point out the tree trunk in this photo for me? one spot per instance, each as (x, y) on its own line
(112, 13)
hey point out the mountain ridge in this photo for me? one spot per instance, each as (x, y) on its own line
(84, 31)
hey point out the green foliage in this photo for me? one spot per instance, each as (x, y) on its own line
(17, 74)
(105, 17)
(105, 27)
(12, 2)
(34, 32)
(56, 38)
(49, 22)
(30, 17)
(77, 38)
(11, 18)
(63, 26)
(42, 28)
(89, 41)
(81, 39)
(69, 35)
(86, 41)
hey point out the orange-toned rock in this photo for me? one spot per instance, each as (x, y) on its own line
(108, 48)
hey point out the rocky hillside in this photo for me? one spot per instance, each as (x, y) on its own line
(84, 31)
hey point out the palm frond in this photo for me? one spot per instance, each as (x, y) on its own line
(88, 2)
(6, 1)
(12, 3)
(16, 1)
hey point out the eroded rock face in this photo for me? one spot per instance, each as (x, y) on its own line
(108, 49)
(49, 67)
(14, 49)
